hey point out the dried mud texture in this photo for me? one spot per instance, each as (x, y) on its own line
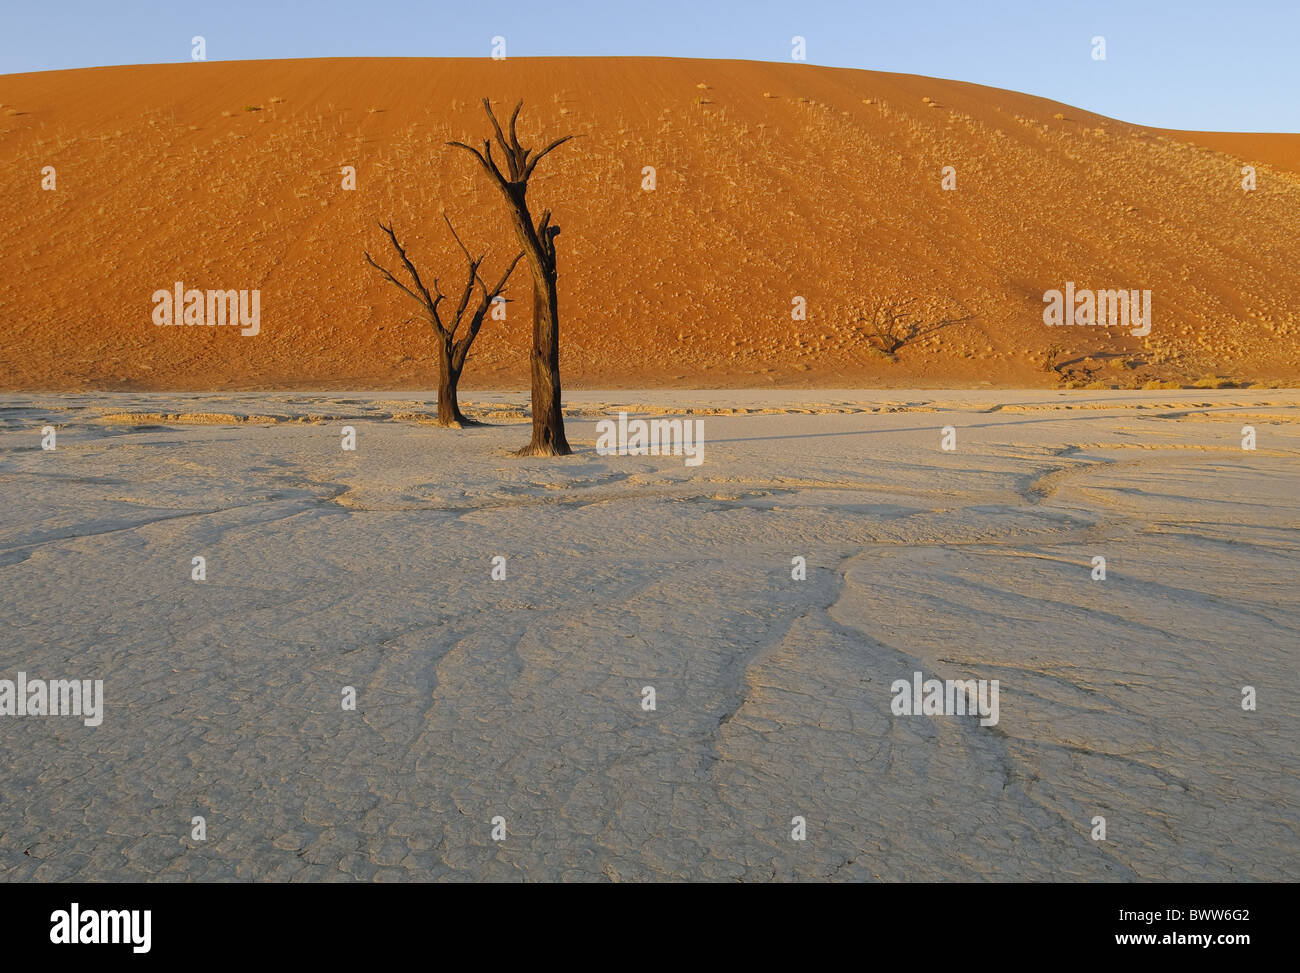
(521, 698)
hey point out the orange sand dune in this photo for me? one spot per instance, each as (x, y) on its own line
(774, 181)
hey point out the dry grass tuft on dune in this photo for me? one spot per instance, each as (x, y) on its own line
(771, 182)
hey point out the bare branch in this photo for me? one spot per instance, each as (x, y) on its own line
(466, 293)
(410, 267)
(469, 148)
(428, 303)
(396, 283)
(511, 160)
(514, 139)
(486, 298)
(505, 277)
(519, 161)
(528, 171)
(485, 160)
(464, 249)
(521, 154)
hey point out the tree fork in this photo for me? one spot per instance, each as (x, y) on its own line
(452, 351)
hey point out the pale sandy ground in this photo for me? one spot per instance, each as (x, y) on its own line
(520, 698)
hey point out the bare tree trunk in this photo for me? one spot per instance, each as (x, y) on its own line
(548, 416)
(448, 378)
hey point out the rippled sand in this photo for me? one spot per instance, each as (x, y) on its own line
(522, 698)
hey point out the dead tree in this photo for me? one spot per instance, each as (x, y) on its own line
(891, 323)
(452, 351)
(1053, 363)
(538, 241)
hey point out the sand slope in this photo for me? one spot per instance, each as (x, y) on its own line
(773, 180)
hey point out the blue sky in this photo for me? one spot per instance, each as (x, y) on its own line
(1197, 64)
